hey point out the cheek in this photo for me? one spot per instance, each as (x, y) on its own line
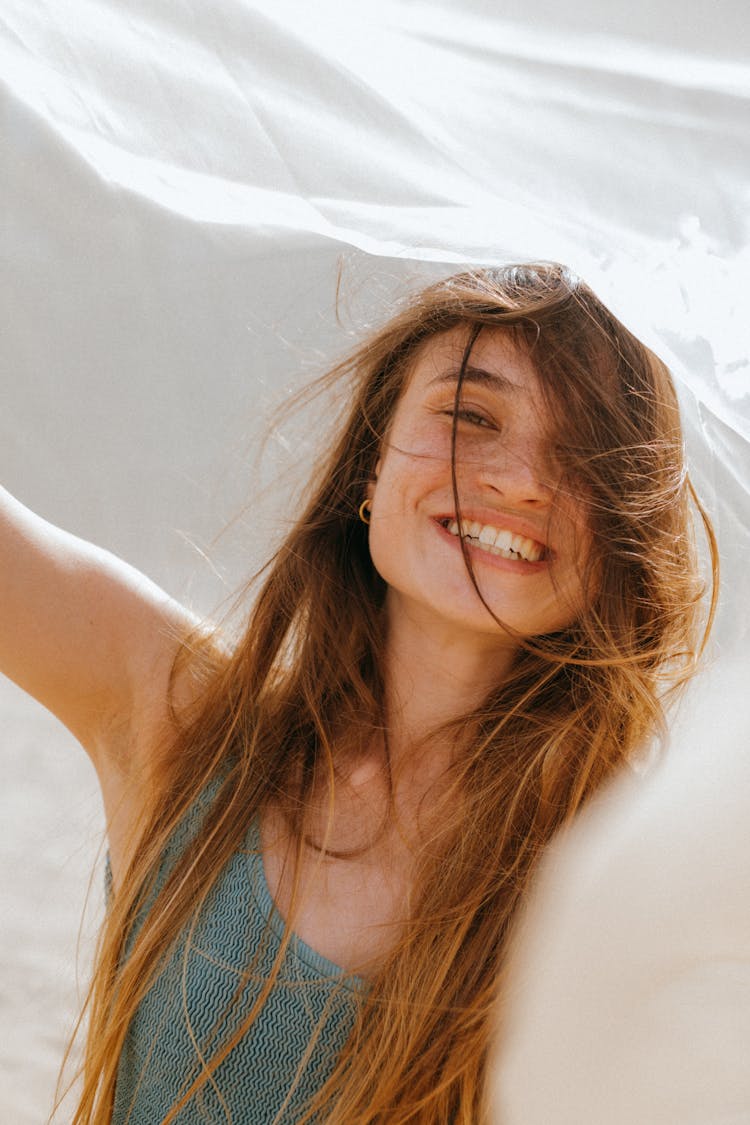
(408, 472)
(584, 580)
(387, 550)
(419, 433)
(403, 499)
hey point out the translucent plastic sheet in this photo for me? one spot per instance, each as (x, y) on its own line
(415, 130)
(178, 181)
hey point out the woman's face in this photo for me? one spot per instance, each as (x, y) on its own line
(527, 541)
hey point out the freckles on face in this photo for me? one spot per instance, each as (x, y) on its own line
(524, 540)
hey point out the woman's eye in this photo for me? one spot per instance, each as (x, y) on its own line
(473, 417)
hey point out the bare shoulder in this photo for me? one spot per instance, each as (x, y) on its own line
(178, 657)
(101, 646)
(117, 659)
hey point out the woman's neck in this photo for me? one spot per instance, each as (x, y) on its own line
(435, 674)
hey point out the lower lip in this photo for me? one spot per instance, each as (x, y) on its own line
(499, 562)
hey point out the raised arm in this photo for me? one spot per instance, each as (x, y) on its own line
(87, 635)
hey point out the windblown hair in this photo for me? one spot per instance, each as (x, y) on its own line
(305, 682)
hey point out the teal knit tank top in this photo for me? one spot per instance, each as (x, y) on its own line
(266, 1079)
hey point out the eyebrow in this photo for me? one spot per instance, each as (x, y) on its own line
(479, 376)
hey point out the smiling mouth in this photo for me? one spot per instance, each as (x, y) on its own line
(498, 540)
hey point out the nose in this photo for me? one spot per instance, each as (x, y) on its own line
(519, 473)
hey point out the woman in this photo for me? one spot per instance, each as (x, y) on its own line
(471, 626)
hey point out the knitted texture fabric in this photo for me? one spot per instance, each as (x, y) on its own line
(267, 1078)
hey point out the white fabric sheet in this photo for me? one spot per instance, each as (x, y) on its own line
(180, 181)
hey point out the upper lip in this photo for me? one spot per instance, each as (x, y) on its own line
(501, 520)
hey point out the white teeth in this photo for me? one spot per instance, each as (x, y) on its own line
(499, 541)
(531, 550)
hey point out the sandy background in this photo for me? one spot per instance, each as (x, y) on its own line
(51, 831)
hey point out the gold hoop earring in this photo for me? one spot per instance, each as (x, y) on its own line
(364, 510)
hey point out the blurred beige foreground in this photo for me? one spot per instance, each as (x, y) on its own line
(632, 988)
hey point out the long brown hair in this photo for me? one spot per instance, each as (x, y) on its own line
(307, 673)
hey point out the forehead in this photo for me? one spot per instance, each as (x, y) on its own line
(496, 364)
